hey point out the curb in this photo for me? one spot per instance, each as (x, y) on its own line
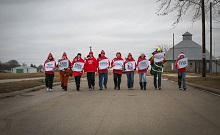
(213, 90)
(15, 93)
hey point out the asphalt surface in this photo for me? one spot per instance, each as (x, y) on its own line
(112, 112)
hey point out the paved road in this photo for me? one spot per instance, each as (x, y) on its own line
(112, 112)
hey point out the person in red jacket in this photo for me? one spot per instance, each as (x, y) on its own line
(103, 65)
(130, 67)
(117, 64)
(142, 70)
(181, 72)
(49, 67)
(78, 66)
(90, 69)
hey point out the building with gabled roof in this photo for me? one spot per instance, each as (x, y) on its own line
(193, 52)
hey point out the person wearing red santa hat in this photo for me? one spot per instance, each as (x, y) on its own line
(142, 72)
(130, 67)
(90, 69)
(78, 74)
(49, 67)
(103, 66)
(65, 72)
(181, 72)
(117, 71)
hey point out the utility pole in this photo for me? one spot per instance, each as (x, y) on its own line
(173, 53)
(203, 40)
(210, 63)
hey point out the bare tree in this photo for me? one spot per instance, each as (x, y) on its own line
(182, 6)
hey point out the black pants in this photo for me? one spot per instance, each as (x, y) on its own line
(77, 80)
(117, 79)
(49, 80)
(91, 79)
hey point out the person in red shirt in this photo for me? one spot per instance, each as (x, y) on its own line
(130, 68)
(49, 67)
(78, 64)
(181, 72)
(64, 73)
(142, 72)
(90, 69)
(117, 71)
(103, 66)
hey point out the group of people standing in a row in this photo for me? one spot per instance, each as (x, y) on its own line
(101, 65)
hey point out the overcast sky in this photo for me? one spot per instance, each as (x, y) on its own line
(30, 29)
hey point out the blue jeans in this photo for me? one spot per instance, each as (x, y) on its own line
(101, 76)
(130, 79)
(182, 77)
(142, 76)
(155, 80)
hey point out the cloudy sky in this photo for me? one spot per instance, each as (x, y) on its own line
(30, 29)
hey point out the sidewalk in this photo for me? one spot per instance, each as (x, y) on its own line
(17, 80)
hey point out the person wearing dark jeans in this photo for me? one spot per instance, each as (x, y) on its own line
(78, 69)
(101, 76)
(117, 65)
(90, 68)
(49, 81)
(103, 70)
(130, 80)
(77, 81)
(91, 80)
(130, 66)
(49, 67)
(159, 81)
(117, 80)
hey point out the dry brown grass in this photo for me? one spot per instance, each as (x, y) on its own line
(209, 81)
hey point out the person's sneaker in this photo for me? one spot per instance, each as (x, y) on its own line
(184, 88)
(93, 87)
(47, 89)
(118, 88)
(159, 88)
(145, 89)
(132, 88)
(50, 90)
(90, 89)
(129, 88)
(105, 87)
(114, 88)
(100, 89)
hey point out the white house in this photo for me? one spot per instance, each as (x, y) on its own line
(24, 69)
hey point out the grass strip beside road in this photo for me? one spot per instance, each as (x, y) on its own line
(209, 81)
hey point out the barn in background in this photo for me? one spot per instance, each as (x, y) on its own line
(193, 52)
(24, 69)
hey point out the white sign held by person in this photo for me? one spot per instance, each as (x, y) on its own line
(63, 64)
(49, 66)
(143, 64)
(104, 64)
(130, 66)
(182, 63)
(118, 64)
(159, 57)
(78, 66)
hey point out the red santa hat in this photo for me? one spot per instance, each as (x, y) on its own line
(50, 55)
(64, 54)
(129, 54)
(102, 52)
(181, 54)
